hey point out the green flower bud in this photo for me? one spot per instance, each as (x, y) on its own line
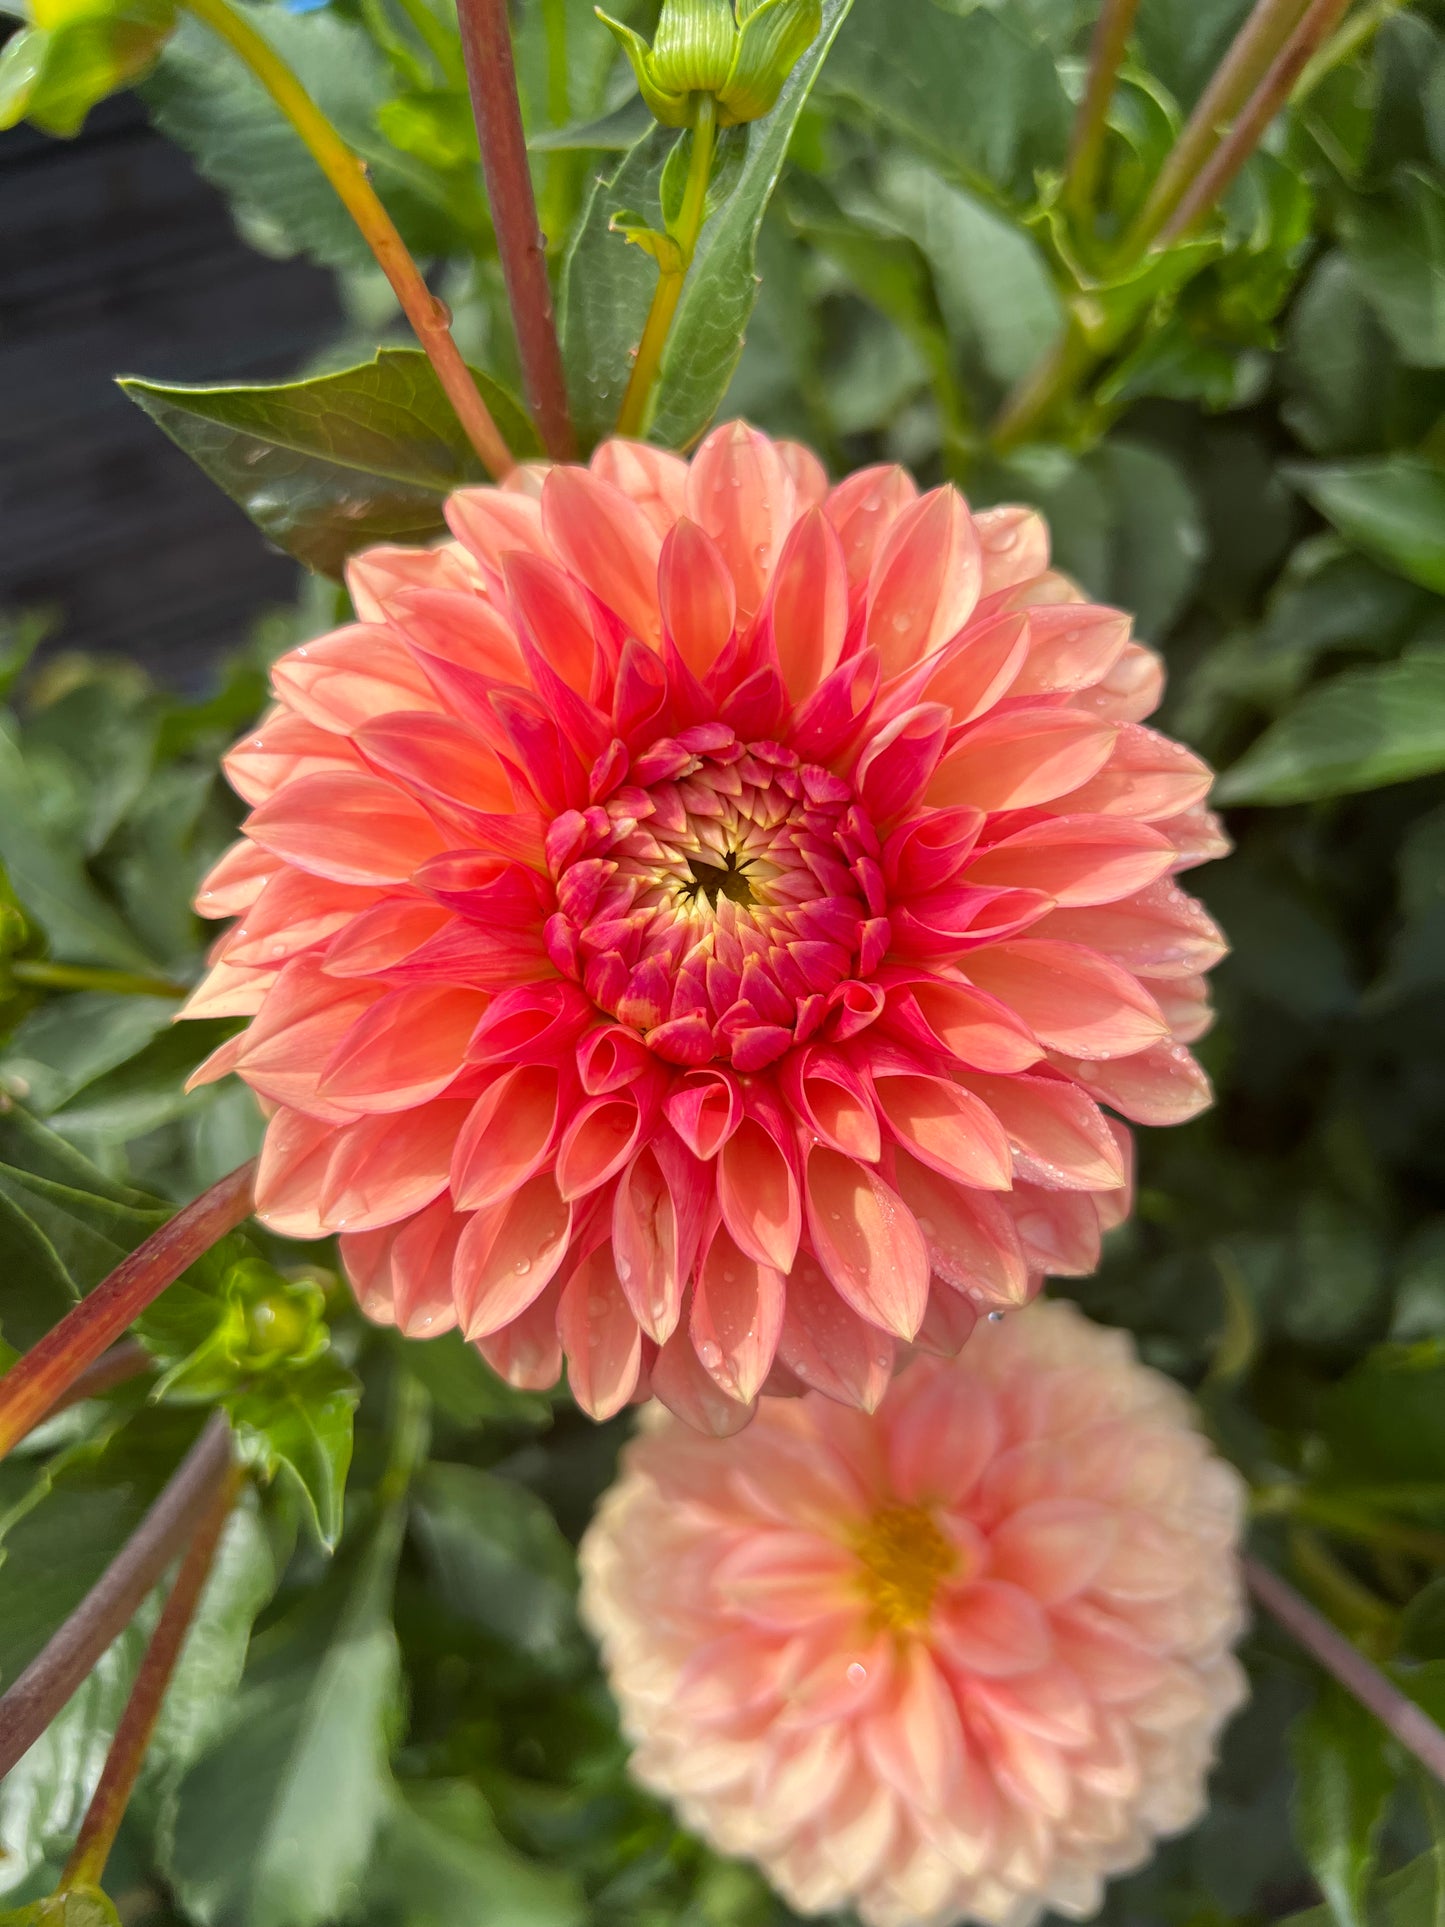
(703, 47)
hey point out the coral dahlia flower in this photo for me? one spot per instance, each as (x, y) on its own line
(694, 920)
(964, 1658)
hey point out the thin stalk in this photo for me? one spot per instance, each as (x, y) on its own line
(492, 78)
(123, 1763)
(1050, 382)
(1350, 1519)
(1354, 35)
(37, 1381)
(46, 1684)
(1091, 123)
(121, 1363)
(45, 975)
(428, 316)
(1238, 74)
(1414, 1729)
(1215, 177)
(633, 414)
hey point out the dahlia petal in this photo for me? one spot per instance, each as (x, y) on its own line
(1146, 776)
(1071, 649)
(527, 1353)
(1058, 1231)
(688, 1389)
(442, 759)
(740, 492)
(233, 884)
(810, 478)
(939, 1444)
(293, 1161)
(600, 1139)
(550, 609)
(375, 575)
(341, 681)
(1159, 932)
(867, 1241)
(406, 1048)
(530, 1023)
(827, 1345)
(1162, 1085)
(1050, 1703)
(1015, 545)
(654, 478)
(1021, 758)
(828, 1679)
(1031, 1770)
(833, 1101)
(382, 937)
(1071, 998)
(972, 1242)
(807, 607)
(647, 1246)
(608, 543)
(1198, 837)
(737, 1314)
(293, 912)
(492, 523)
(971, 1026)
(994, 1629)
(1133, 688)
(1054, 1549)
(221, 1062)
(1185, 1004)
(229, 990)
(946, 1127)
(1057, 1131)
(350, 827)
(508, 1254)
(293, 1036)
(698, 600)
(916, 1743)
(948, 1322)
(1077, 860)
(862, 509)
(507, 1137)
(282, 747)
(757, 1191)
(978, 668)
(466, 646)
(705, 1107)
(402, 1274)
(381, 1171)
(924, 581)
(894, 770)
(600, 1338)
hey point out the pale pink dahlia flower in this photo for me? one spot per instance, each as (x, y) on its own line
(692, 920)
(964, 1658)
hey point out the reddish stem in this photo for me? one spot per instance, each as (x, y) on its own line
(37, 1381)
(492, 78)
(1412, 1727)
(34, 1699)
(103, 1816)
(1091, 123)
(1213, 179)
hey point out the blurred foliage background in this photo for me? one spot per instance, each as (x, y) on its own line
(1251, 457)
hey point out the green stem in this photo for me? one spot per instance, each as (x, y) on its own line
(427, 315)
(562, 167)
(1345, 1516)
(633, 415)
(438, 42)
(1048, 385)
(1352, 37)
(1239, 73)
(120, 983)
(123, 1763)
(35, 1383)
(1091, 124)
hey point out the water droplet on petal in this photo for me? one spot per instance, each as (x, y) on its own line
(995, 1318)
(857, 1673)
(524, 1264)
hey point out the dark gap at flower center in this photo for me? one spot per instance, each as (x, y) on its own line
(714, 881)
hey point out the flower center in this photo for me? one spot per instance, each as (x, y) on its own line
(904, 1556)
(719, 899)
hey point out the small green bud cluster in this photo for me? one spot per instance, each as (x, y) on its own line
(704, 47)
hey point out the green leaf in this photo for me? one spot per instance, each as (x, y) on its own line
(1393, 509)
(616, 131)
(43, 1798)
(54, 74)
(721, 287)
(1342, 1790)
(1359, 731)
(441, 1862)
(200, 98)
(1397, 245)
(81, 1907)
(333, 464)
(1422, 1628)
(496, 1559)
(465, 1389)
(300, 1425)
(275, 1822)
(71, 1042)
(1412, 1897)
(994, 290)
(49, 875)
(975, 91)
(1385, 1421)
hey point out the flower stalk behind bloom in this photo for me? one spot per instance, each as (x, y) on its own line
(963, 1659)
(695, 920)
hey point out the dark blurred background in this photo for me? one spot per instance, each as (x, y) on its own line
(118, 259)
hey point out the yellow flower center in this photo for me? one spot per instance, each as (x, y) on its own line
(904, 1556)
